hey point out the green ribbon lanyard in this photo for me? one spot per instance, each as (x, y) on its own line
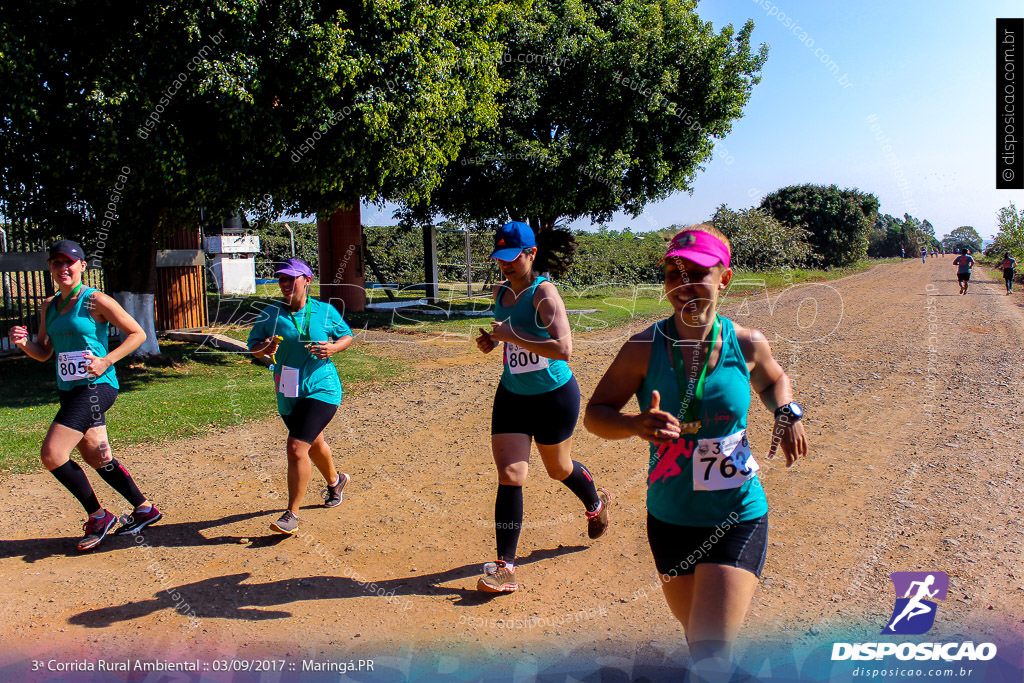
(298, 328)
(690, 415)
(57, 303)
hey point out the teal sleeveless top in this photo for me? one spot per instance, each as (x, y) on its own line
(77, 330)
(525, 372)
(671, 494)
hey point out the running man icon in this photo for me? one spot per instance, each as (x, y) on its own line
(915, 606)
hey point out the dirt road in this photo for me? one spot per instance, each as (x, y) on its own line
(915, 423)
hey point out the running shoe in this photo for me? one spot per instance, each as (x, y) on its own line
(96, 530)
(332, 494)
(597, 522)
(137, 521)
(288, 523)
(497, 578)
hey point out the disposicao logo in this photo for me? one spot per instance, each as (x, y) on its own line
(916, 592)
(914, 614)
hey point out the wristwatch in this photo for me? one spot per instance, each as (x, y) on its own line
(792, 410)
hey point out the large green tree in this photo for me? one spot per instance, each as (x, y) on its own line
(1010, 237)
(122, 120)
(889, 235)
(963, 237)
(611, 104)
(839, 220)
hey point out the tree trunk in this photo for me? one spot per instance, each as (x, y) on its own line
(130, 269)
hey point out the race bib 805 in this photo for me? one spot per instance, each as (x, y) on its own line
(72, 365)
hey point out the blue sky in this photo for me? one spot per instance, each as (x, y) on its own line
(913, 122)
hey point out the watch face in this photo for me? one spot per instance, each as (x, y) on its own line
(796, 410)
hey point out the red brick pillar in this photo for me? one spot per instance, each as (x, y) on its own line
(341, 260)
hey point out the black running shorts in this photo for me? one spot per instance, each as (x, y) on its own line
(85, 407)
(679, 549)
(308, 418)
(963, 277)
(549, 418)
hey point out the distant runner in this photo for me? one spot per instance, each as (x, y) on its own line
(964, 262)
(1008, 266)
(924, 254)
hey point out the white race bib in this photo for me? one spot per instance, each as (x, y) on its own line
(723, 463)
(519, 360)
(289, 382)
(72, 365)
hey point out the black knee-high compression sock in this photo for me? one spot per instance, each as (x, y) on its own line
(582, 484)
(508, 520)
(73, 478)
(117, 476)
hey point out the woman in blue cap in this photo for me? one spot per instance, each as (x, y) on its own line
(75, 324)
(537, 400)
(707, 516)
(297, 334)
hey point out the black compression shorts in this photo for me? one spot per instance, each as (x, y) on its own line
(679, 549)
(308, 418)
(85, 407)
(549, 418)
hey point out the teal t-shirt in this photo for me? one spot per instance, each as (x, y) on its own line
(317, 321)
(525, 372)
(671, 496)
(73, 331)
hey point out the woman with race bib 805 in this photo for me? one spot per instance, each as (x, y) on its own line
(537, 400)
(707, 521)
(75, 324)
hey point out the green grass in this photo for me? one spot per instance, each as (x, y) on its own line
(199, 393)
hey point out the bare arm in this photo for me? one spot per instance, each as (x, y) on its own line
(551, 311)
(42, 348)
(604, 416)
(771, 383)
(105, 309)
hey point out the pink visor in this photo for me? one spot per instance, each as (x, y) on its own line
(701, 247)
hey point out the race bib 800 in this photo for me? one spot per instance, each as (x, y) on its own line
(723, 463)
(519, 360)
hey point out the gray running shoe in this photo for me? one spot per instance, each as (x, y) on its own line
(288, 523)
(332, 494)
(497, 578)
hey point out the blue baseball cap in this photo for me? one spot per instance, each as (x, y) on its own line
(295, 267)
(510, 240)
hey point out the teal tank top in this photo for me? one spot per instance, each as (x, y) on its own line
(76, 330)
(706, 478)
(524, 371)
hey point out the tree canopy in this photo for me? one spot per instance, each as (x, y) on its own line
(838, 220)
(611, 105)
(964, 236)
(1010, 237)
(889, 235)
(293, 105)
